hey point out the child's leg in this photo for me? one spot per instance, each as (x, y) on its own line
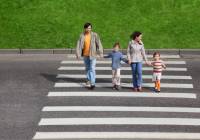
(159, 77)
(114, 77)
(118, 77)
(158, 85)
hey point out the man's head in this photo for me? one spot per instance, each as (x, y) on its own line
(87, 27)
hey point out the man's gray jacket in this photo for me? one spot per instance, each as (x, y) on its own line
(95, 45)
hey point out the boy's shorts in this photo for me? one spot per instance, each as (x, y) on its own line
(156, 76)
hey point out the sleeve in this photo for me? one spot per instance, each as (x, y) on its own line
(99, 45)
(78, 47)
(128, 51)
(108, 56)
(143, 53)
(123, 59)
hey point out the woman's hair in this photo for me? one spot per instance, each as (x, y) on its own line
(86, 25)
(116, 44)
(135, 34)
(156, 53)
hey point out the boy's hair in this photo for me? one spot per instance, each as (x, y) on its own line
(156, 53)
(86, 25)
(116, 44)
(135, 34)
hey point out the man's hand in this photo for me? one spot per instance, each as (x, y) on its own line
(77, 57)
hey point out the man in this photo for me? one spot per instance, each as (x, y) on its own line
(88, 46)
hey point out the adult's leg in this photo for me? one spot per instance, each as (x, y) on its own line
(92, 72)
(134, 77)
(87, 67)
(139, 74)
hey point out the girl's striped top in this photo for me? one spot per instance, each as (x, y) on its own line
(157, 66)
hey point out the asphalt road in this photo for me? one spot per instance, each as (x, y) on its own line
(26, 80)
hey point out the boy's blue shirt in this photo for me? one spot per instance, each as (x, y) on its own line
(117, 57)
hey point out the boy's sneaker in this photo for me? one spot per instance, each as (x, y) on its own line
(118, 87)
(114, 87)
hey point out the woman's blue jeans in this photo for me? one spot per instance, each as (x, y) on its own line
(136, 74)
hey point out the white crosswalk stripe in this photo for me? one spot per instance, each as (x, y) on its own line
(181, 87)
(123, 76)
(123, 68)
(116, 135)
(120, 121)
(122, 94)
(109, 62)
(129, 85)
(164, 56)
(122, 108)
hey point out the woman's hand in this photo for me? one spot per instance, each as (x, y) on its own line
(129, 61)
(148, 63)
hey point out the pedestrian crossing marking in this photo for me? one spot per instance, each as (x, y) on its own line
(127, 85)
(109, 62)
(122, 109)
(123, 76)
(116, 135)
(122, 94)
(120, 121)
(122, 68)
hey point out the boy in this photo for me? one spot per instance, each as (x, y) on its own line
(116, 56)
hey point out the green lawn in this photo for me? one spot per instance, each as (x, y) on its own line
(58, 23)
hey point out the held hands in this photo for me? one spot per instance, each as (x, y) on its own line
(148, 63)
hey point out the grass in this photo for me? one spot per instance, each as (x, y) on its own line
(58, 23)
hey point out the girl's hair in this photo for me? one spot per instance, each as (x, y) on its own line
(86, 25)
(135, 34)
(156, 53)
(116, 44)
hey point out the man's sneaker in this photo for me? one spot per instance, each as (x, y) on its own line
(87, 84)
(92, 87)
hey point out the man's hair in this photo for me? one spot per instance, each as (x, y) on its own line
(135, 34)
(156, 53)
(116, 44)
(86, 25)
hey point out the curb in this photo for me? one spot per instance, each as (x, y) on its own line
(181, 52)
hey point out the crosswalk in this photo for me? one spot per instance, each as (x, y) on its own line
(74, 112)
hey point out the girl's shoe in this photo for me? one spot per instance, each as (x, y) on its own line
(157, 91)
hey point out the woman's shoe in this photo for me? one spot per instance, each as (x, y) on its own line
(139, 89)
(135, 89)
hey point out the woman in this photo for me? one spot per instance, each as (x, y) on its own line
(136, 55)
